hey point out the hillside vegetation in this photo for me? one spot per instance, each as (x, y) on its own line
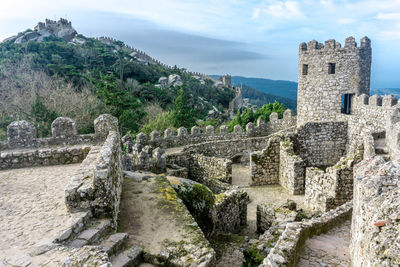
(42, 80)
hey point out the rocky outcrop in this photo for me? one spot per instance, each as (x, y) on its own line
(60, 29)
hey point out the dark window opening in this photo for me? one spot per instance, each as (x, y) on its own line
(346, 103)
(305, 69)
(332, 68)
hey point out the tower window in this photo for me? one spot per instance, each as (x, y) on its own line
(305, 69)
(331, 68)
(346, 103)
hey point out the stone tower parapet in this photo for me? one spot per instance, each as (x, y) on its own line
(327, 73)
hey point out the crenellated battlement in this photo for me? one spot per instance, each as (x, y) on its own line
(23, 134)
(182, 137)
(386, 101)
(331, 44)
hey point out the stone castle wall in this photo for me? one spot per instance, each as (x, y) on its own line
(203, 168)
(210, 167)
(182, 138)
(43, 157)
(287, 250)
(264, 165)
(322, 143)
(231, 210)
(22, 135)
(24, 149)
(330, 188)
(97, 185)
(375, 224)
(291, 169)
(320, 92)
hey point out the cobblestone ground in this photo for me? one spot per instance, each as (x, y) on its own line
(330, 249)
(32, 211)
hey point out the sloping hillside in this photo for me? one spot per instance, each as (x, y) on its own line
(47, 71)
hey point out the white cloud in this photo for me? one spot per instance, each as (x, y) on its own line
(256, 13)
(284, 10)
(346, 21)
(388, 16)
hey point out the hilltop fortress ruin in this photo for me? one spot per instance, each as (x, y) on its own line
(105, 200)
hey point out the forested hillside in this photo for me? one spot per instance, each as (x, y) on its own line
(42, 80)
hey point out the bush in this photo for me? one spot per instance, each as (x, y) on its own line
(248, 115)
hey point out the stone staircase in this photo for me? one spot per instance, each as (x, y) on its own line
(99, 233)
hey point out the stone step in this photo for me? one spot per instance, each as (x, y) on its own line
(92, 234)
(114, 243)
(129, 257)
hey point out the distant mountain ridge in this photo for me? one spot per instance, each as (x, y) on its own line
(288, 89)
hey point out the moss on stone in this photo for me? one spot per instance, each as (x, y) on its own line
(253, 256)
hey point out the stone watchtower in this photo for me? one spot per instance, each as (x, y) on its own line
(329, 76)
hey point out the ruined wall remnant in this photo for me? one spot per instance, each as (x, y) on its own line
(231, 210)
(327, 189)
(291, 169)
(264, 165)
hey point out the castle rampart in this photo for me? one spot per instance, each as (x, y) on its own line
(208, 134)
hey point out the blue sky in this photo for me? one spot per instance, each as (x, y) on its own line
(240, 37)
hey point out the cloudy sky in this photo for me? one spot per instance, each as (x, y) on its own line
(240, 37)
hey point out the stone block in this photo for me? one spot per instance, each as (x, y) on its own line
(63, 127)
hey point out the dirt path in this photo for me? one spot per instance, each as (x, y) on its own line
(32, 210)
(330, 249)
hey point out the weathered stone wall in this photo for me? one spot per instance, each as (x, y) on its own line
(22, 134)
(369, 114)
(375, 224)
(43, 157)
(98, 184)
(322, 143)
(287, 249)
(264, 165)
(210, 167)
(291, 169)
(202, 168)
(197, 135)
(325, 190)
(319, 95)
(231, 210)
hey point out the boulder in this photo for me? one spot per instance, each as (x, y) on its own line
(174, 80)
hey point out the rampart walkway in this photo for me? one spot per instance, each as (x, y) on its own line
(32, 210)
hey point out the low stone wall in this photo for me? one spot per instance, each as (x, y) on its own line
(291, 169)
(322, 143)
(375, 222)
(231, 210)
(264, 165)
(43, 157)
(197, 135)
(202, 167)
(98, 184)
(328, 189)
(22, 134)
(287, 249)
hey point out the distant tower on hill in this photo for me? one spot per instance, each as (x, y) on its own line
(330, 76)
